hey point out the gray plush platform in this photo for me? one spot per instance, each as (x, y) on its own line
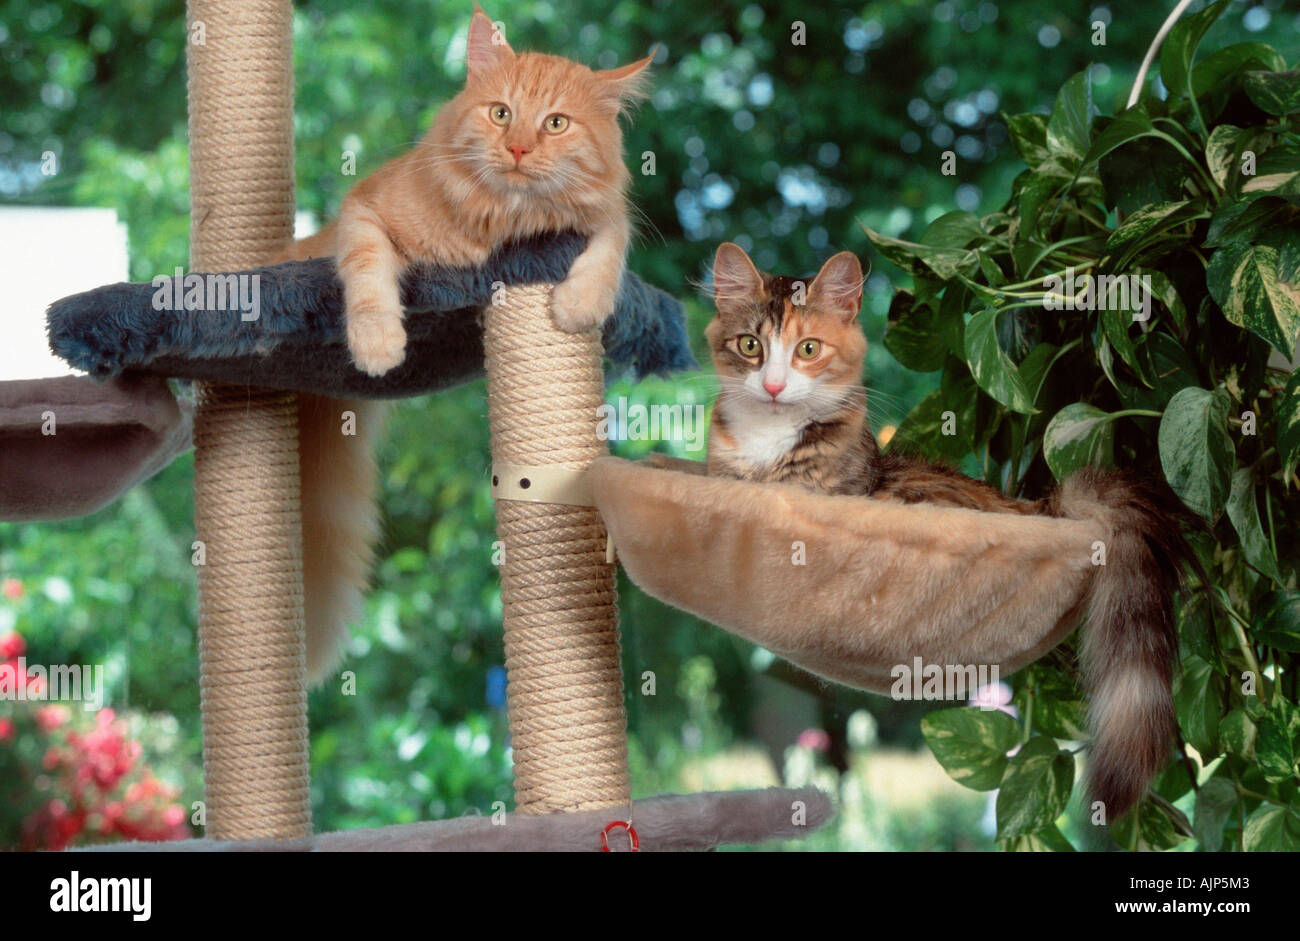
(298, 340)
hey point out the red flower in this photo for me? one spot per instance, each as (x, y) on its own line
(6, 729)
(12, 646)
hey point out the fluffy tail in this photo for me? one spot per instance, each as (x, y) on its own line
(340, 518)
(1129, 639)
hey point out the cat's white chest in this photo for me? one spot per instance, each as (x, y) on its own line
(764, 440)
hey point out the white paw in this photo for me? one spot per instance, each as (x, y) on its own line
(580, 304)
(377, 341)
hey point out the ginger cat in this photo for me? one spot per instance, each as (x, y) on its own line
(531, 144)
(789, 355)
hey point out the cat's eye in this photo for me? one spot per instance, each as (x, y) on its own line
(748, 345)
(556, 124)
(500, 114)
(808, 349)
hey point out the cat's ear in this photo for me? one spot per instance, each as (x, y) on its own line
(487, 46)
(627, 82)
(735, 279)
(838, 286)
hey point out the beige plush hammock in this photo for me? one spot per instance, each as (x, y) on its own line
(849, 587)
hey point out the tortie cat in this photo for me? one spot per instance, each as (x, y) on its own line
(531, 144)
(791, 409)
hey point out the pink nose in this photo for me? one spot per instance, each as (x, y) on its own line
(518, 152)
(773, 388)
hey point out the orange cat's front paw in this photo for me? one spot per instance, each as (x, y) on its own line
(377, 342)
(581, 304)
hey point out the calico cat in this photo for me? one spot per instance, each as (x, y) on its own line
(531, 144)
(791, 409)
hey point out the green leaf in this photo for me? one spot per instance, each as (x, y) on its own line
(1069, 127)
(915, 258)
(1244, 281)
(1277, 745)
(1272, 829)
(1051, 840)
(1159, 826)
(1127, 126)
(1164, 291)
(1196, 700)
(1028, 133)
(1221, 152)
(1179, 49)
(1274, 92)
(1219, 68)
(1036, 788)
(1061, 718)
(1195, 449)
(1237, 732)
(1277, 173)
(1142, 173)
(1144, 228)
(1242, 220)
(992, 368)
(1079, 435)
(971, 744)
(955, 230)
(1243, 510)
(1277, 622)
(1035, 367)
(1116, 318)
(923, 428)
(1288, 425)
(1035, 193)
(913, 336)
(1196, 626)
(1214, 803)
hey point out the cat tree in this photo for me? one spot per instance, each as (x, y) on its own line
(565, 691)
(845, 586)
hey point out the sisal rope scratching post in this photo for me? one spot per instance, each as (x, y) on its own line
(567, 722)
(247, 499)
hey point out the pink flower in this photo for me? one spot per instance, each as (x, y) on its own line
(994, 696)
(11, 588)
(814, 739)
(49, 718)
(6, 729)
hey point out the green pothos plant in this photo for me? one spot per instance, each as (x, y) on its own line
(1191, 203)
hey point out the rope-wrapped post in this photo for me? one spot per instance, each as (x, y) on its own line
(247, 499)
(568, 725)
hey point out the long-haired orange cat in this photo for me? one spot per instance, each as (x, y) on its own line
(531, 144)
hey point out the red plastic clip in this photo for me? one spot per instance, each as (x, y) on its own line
(631, 832)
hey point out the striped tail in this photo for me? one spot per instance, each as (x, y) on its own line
(1129, 636)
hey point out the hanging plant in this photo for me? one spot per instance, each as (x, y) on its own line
(1136, 302)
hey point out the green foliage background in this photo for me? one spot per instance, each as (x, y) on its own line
(785, 148)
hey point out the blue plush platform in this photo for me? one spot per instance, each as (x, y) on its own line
(299, 340)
